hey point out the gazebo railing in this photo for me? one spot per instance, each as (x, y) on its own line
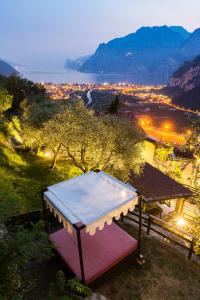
(162, 228)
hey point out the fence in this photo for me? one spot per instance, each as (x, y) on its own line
(149, 222)
(162, 228)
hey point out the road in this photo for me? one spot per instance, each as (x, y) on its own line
(165, 136)
(89, 97)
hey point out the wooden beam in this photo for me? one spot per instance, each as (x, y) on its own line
(79, 226)
(44, 211)
(179, 206)
(140, 223)
(80, 255)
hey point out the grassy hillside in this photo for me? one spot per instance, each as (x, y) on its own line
(22, 177)
(167, 274)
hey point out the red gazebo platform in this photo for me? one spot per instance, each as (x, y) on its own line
(100, 252)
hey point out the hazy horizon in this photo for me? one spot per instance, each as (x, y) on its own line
(45, 33)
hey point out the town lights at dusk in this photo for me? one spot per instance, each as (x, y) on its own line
(167, 126)
(145, 121)
(188, 132)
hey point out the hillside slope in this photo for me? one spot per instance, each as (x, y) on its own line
(6, 69)
(75, 64)
(185, 85)
(22, 177)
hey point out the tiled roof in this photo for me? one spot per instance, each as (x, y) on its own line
(154, 185)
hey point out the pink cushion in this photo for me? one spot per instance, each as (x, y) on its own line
(100, 252)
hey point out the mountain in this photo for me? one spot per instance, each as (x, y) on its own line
(180, 30)
(75, 64)
(184, 87)
(191, 47)
(149, 54)
(6, 69)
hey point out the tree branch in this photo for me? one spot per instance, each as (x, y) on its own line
(74, 160)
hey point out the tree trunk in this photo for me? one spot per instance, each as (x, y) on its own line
(55, 157)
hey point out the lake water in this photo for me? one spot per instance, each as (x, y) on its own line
(62, 75)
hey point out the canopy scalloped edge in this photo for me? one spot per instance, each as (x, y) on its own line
(99, 224)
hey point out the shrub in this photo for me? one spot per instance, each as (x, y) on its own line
(78, 288)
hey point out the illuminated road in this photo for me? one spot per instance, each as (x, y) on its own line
(89, 96)
(165, 136)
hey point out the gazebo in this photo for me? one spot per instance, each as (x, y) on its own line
(157, 187)
(90, 242)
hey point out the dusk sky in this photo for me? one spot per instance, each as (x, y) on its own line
(46, 32)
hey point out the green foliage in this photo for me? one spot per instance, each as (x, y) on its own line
(18, 249)
(11, 202)
(196, 221)
(193, 145)
(162, 153)
(60, 288)
(21, 89)
(5, 100)
(193, 139)
(36, 114)
(60, 282)
(169, 167)
(114, 106)
(14, 128)
(78, 288)
(88, 142)
(22, 177)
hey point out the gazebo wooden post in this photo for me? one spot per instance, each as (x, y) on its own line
(44, 211)
(122, 217)
(179, 206)
(79, 226)
(140, 222)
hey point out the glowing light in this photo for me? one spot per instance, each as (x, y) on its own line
(180, 222)
(188, 132)
(167, 126)
(47, 154)
(145, 121)
(198, 160)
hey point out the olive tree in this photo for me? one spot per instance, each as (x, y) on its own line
(5, 101)
(88, 142)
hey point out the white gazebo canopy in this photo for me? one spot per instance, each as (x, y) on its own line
(90, 199)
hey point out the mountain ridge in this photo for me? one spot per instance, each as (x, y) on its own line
(150, 55)
(6, 69)
(184, 87)
(75, 64)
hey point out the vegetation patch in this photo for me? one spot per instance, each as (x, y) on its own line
(167, 274)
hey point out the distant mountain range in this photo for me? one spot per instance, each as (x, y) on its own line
(184, 87)
(76, 64)
(150, 55)
(6, 69)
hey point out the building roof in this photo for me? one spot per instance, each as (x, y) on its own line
(90, 199)
(154, 185)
